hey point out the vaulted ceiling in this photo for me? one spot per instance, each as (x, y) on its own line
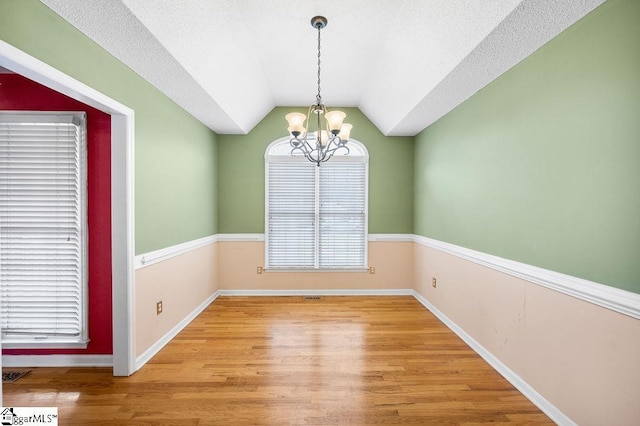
(403, 63)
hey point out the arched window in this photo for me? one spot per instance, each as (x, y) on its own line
(316, 217)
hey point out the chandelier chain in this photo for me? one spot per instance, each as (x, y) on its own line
(319, 97)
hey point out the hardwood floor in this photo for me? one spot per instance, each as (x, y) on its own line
(285, 360)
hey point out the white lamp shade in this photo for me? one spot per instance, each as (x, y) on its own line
(345, 130)
(296, 121)
(334, 120)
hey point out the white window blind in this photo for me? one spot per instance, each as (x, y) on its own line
(42, 229)
(292, 219)
(316, 217)
(342, 232)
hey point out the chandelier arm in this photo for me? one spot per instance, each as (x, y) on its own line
(346, 148)
(295, 141)
(297, 148)
(303, 150)
(328, 157)
(300, 144)
(336, 141)
(325, 152)
(337, 145)
(318, 156)
(308, 147)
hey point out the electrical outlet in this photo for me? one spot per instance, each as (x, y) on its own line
(433, 282)
(372, 269)
(259, 270)
(159, 308)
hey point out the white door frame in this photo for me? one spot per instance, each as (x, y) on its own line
(122, 192)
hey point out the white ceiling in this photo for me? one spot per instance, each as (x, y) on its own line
(403, 63)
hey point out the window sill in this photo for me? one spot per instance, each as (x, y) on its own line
(333, 270)
(22, 344)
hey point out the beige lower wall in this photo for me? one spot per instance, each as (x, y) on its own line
(238, 262)
(582, 358)
(182, 282)
(185, 281)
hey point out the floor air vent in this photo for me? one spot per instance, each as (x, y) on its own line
(12, 376)
(312, 297)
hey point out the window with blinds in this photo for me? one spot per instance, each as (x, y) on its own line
(43, 229)
(316, 217)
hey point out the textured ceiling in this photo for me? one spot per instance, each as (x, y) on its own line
(403, 63)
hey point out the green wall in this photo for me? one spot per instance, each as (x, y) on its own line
(543, 165)
(175, 155)
(241, 175)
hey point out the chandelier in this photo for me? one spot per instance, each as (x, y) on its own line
(318, 146)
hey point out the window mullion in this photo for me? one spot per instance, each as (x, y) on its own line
(317, 218)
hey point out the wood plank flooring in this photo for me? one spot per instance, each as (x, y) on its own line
(285, 360)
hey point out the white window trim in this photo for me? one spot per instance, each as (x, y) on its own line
(81, 341)
(337, 158)
(122, 194)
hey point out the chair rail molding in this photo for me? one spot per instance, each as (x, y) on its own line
(618, 300)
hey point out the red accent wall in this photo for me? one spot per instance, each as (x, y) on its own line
(20, 93)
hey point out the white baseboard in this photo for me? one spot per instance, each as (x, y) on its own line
(24, 361)
(329, 292)
(392, 238)
(240, 237)
(542, 403)
(157, 346)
